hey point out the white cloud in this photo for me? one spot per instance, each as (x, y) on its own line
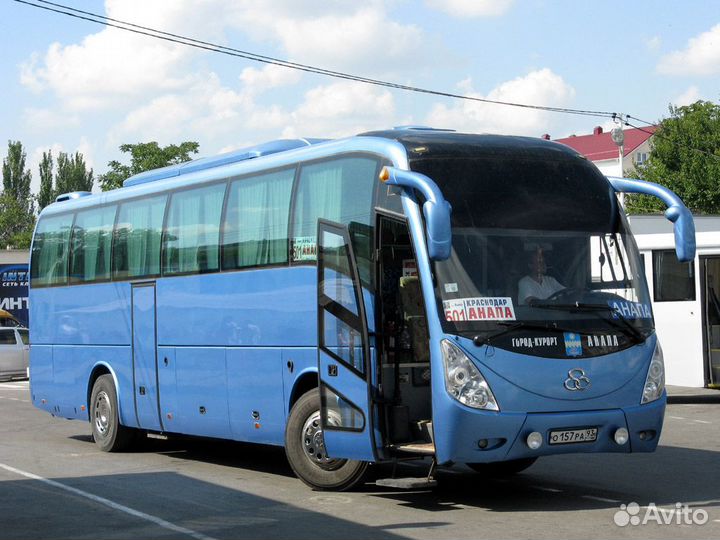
(700, 57)
(542, 87)
(105, 67)
(344, 37)
(270, 76)
(206, 111)
(471, 8)
(46, 120)
(691, 95)
(172, 115)
(116, 69)
(29, 76)
(653, 43)
(341, 109)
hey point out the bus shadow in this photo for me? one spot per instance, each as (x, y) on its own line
(35, 509)
(222, 452)
(554, 483)
(576, 482)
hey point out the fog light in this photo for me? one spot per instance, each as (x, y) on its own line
(534, 440)
(621, 436)
(482, 444)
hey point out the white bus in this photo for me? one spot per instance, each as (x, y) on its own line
(685, 298)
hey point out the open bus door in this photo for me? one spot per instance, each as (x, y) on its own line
(344, 354)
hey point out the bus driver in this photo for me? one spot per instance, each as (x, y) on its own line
(537, 285)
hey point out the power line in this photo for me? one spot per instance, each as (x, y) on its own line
(230, 51)
(629, 116)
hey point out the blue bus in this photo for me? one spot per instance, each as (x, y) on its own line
(408, 293)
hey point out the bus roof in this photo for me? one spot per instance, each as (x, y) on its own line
(265, 149)
(400, 145)
(437, 143)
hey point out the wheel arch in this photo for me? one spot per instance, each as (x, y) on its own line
(102, 368)
(306, 380)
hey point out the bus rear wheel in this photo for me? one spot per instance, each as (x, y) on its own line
(305, 449)
(500, 469)
(107, 432)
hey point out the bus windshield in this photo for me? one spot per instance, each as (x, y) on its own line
(540, 250)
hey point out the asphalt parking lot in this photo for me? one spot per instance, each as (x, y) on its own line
(54, 483)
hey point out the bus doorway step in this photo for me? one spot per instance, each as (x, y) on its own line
(406, 483)
(427, 482)
(425, 449)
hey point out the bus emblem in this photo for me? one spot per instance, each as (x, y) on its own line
(577, 380)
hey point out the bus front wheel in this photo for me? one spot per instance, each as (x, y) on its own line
(107, 432)
(305, 449)
(502, 468)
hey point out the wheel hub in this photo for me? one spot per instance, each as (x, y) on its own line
(313, 444)
(103, 412)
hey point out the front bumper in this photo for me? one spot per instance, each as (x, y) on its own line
(504, 435)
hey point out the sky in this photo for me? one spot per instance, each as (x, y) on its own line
(71, 85)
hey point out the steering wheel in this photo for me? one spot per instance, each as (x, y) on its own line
(569, 292)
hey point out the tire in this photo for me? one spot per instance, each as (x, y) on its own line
(305, 450)
(502, 468)
(107, 432)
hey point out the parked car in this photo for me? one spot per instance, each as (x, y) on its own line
(14, 353)
(8, 319)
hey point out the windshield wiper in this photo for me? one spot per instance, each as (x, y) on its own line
(619, 322)
(575, 306)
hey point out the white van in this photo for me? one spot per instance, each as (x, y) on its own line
(14, 351)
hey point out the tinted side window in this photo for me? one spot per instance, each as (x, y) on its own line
(673, 281)
(191, 240)
(91, 245)
(50, 251)
(256, 221)
(138, 233)
(340, 190)
(7, 337)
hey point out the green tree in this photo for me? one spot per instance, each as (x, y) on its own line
(16, 223)
(144, 157)
(685, 157)
(17, 217)
(47, 193)
(16, 178)
(72, 174)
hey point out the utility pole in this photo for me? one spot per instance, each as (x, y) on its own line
(618, 137)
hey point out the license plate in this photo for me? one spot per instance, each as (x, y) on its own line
(569, 436)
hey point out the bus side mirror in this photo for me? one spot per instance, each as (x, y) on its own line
(677, 212)
(435, 209)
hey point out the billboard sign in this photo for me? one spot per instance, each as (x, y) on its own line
(14, 290)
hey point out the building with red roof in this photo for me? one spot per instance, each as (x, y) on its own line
(605, 154)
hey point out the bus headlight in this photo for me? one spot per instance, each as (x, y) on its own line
(655, 380)
(463, 380)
